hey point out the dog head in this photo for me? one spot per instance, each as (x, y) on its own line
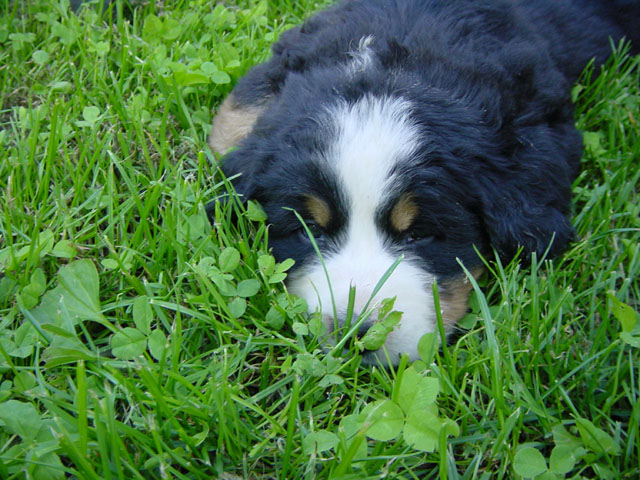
(381, 166)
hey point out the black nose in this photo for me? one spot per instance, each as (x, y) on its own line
(362, 329)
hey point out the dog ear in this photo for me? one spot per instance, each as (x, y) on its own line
(528, 204)
(514, 221)
(525, 189)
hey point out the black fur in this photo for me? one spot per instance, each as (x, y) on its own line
(491, 83)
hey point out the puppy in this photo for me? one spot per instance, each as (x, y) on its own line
(420, 130)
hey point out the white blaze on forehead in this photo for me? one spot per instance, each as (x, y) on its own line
(372, 137)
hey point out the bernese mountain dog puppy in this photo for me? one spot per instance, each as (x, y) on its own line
(419, 130)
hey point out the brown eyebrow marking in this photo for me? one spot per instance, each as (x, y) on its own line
(319, 210)
(403, 213)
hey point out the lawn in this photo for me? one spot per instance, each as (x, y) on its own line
(139, 341)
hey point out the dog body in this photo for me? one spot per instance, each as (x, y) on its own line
(422, 130)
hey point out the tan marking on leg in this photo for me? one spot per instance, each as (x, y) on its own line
(232, 124)
(319, 210)
(404, 213)
(454, 299)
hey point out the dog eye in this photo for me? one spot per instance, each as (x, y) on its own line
(314, 228)
(415, 237)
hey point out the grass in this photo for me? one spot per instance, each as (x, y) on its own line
(137, 341)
